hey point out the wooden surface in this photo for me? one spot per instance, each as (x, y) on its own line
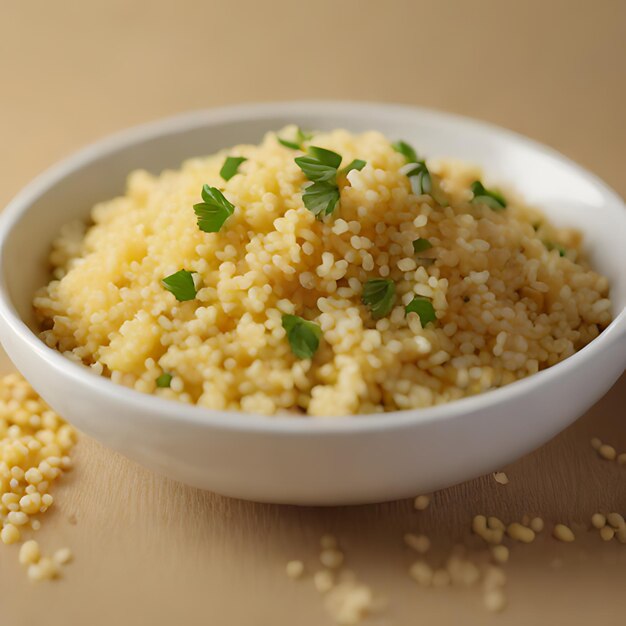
(149, 551)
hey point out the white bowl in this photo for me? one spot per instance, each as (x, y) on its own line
(307, 461)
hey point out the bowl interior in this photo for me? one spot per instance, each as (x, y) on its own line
(566, 193)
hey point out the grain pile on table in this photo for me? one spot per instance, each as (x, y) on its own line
(34, 447)
(327, 274)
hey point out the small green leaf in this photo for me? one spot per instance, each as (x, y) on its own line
(301, 137)
(292, 145)
(181, 285)
(421, 244)
(405, 149)
(230, 167)
(320, 166)
(214, 211)
(321, 198)
(316, 171)
(164, 380)
(423, 307)
(492, 198)
(420, 179)
(357, 164)
(379, 295)
(304, 337)
(550, 245)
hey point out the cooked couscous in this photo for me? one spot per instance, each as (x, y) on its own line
(325, 274)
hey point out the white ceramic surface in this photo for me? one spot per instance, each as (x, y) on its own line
(300, 461)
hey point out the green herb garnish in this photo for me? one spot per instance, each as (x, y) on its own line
(321, 166)
(421, 244)
(405, 149)
(230, 167)
(423, 307)
(304, 337)
(214, 211)
(181, 285)
(550, 245)
(356, 164)
(301, 137)
(164, 380)
(379, 295)
(321, 198)
(493, 199)
(420, 179)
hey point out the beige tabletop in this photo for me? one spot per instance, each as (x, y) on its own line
(151, 551)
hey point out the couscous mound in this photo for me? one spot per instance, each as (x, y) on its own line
(397, 283)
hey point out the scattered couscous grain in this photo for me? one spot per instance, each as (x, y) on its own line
(422, 573)
(294, 569)
(520, 533)
(536, 524)
(563, 533)
(515, 304)
(596, 443)
(323, 580)
(29, 552)
(607, 452)
(621, 459)
(500, 554)
(501, 478)
(421, 503)
(328, 542)
(607, 533)
(34, 444)
(598, 520)
(63, 556)
(419, 543)
(494, 600)
(616, 520)
(349, 601)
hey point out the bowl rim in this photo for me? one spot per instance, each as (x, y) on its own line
(166, 409)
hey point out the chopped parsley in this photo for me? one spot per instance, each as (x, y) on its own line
(379, 294)
(406, 150)
(421, 245)
(181, 285)
(423, 307)
(321, 198)
(214, 211)
(492, 198)
(164, 380)
(356, 164)
(230, 167)
(419, 176)
(300, 138)
(303, 336)
(550, 245)
(420, 179)
(320, 166)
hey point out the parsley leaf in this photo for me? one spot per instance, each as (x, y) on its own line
(420, 179)
(300, 138)
(555, 246)
(214, 211)
(423, 307)
(164, 380)
(181, 285)
(321, 166)
(405, 149)
(230, 167)
(321, 198)
(304, 337)
(379, 295)
(357, 164)
(493, 199)
(421, 244)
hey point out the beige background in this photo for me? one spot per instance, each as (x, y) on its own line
(149, 551)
